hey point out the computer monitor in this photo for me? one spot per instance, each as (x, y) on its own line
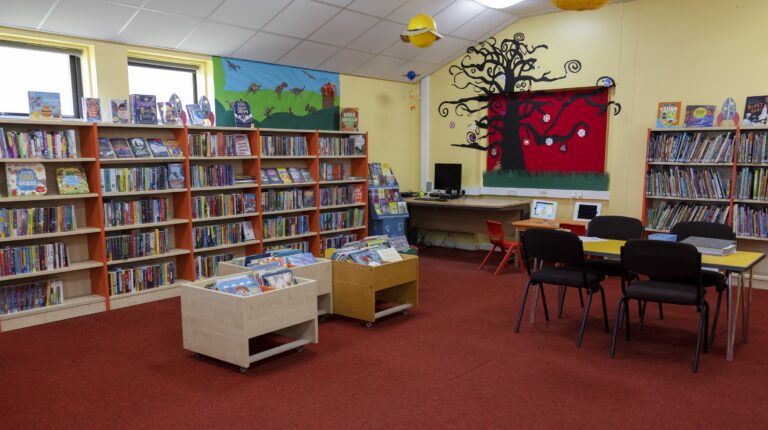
(543, 209)
(585, 211)
(448, 178)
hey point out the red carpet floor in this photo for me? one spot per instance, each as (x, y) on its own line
(453, 363)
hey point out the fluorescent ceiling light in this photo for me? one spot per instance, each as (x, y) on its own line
(498, 4)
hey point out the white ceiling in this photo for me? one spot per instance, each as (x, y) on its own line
(354, 37)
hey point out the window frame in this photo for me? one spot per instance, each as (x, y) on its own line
(161, 65)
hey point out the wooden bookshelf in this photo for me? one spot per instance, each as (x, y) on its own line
(173, 221)
(79, 231)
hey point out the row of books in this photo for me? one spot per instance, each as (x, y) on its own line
(223, 204)
(208, 236)
(750, 221)
(688, 147)
(349, 218)
(33, 258)
(285, 226)
(208, 266)
(30, 179)
(283, 200)
(687, 182)
(347, 145)
(332, 172)
(753, 148)
(341, 195)
(211, 175)
(302, 246)
(137, 244)
(752, 183)
(372, 251)
(669, 214)
(210, 145)
(284, 146)
(140, 278)
(286, 175)
(148, 178)
(328, 242)
(34, 295)
(28, 221)
(256, 282)
(134, 212)
(38, 144)
(387, 202)
(275, 260)
(138, 147)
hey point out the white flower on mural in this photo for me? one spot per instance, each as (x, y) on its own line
(581, 132)
(546, 118)
(549, 141)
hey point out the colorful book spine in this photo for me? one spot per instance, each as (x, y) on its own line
(340, 146)
(208, 236)
(302, 246)
(34, 295)
(750, 221)
(128, 179)
(17, 222)
(208, 266)
(686, 182)
(121, 213)
(140, 278)
(686, 147)
(337, 195)
(752, 184)
(669, 214)
(16, 260)
(38, 144)
(210, 145)
(211, 175)
(328, 242)
(137, 244)
(332, 172)
(218, 205)
(283, 200)
(753, 148)
(284, 146)
(349, 218)
(285, 226)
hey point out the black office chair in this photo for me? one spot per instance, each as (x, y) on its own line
(545, 246)
(709, 278)
(674, 276)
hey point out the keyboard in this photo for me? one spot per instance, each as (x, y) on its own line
(432, 199)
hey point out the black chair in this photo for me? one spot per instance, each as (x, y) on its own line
(674, 276)
(546, 247)
(709, 278)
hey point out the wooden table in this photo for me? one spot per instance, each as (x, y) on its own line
(577, 227)
(465, 214)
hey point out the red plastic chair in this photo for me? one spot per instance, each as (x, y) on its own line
(496, 236)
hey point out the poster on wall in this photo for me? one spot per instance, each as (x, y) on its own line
(279, 96)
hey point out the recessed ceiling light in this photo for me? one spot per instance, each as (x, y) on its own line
(498, 4)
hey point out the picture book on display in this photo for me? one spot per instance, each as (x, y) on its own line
(240, 285)
(139, 147)
(196, 116)
(174, 149)
(168, 114)
(756, 111)
(249, 203)
(242, 146)
(121, 147)
(242, 112)
(105, 149)
(157, 147)
(71, 180)
(92, 109)
(176, 176)
(143, 109)
(348, 119)
(668, 114)
(700, 115)
(26, 179)
(44, 105)
(279, 278)
(119, 110)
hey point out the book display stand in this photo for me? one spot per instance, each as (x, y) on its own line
(388, 211)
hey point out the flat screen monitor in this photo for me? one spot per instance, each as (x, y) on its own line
(543, 209)
(585, 211)
(448, 178)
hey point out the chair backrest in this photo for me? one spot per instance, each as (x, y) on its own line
(552, 246)
(711, 230)
(615, 227)
(663, 261)
(495, 232)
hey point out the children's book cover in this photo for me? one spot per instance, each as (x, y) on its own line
(242, 145)
(71, 180)
(174, 148)
(700, 115)
(176, 176)
(105, 149)
(121, 147)
(157, 146)
(196, 116)
(668, 114)
(284, 176)
(139, 147)
(242, 112)
(306, 175)
(309, 198)
(26, 179)
(348, 118)
(44, 105)
(274, 177)
(144, 109)
(168, 114)
(279, 278)
(264, 176)
(119, 108)
(295, 174)
(756, 111)
(249, 202)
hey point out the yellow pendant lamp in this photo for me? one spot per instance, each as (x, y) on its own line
(422, 31)
(579, 4)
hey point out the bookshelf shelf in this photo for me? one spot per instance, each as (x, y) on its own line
(342, 230)
(146, 296)
(72, 307)
(49, 197)
(751, 165)
(288, 211)
(147, 126)
(143, 193)
(688, 163)
(333, 157)
(351, 205)
(73, 267)
(227, 246)
(344, 181)
(684, 129)
(751, 202)
(292, 185)
(691, 199)
(226, 217)
(288, 157)
(48, 160)
(171, 253)
(225, 187)
(283, 238)
(147, 225)
(79, 231)
(228, 157)
(143, 160)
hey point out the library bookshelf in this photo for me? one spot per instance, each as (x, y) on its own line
(709, 174)
(86, 280)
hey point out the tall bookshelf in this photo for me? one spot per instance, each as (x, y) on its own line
(86, 281)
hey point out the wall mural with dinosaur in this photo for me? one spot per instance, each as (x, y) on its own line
(279, 96)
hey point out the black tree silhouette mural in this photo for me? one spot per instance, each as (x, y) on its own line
(502, 76)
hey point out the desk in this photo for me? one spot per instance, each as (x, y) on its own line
(465, 214)
(577, 227)
(739, 263)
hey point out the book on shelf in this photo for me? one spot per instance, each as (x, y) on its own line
(137, 244)
(753, 147)
(125, 179)
(279, 278)
(688, 182)
(285, 178)
(168, 114)
(242, 112)
(710, 246)
(211, 175)
(91, 109)
(139, 147)
(176, 179)
(71, 180)
(121, 147)
(243, 285)
(20, 222)
(700, 115)
(287, 199)
(132, 279)
(282, 226)
(31, 295)
(756, 111)
(668, 114)
(207, 266)
(26, 179)
(752, 183)
(143, 109)
(336, 220)
(208, 236)
(136, 212)
(750, 221)
(195, 114)
(157, 147)
(120, 111)
(249, 201)
(302, 246)
(55, 144)
(348, 119)
(16, 260)
(44, 105)
(105, 149)
(668, 214)
(174, 149)
(284, 146)
(295, 174)
(223, 204)
(242, 144)
(687, 147)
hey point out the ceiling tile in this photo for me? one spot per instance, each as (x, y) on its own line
(339, 3)
(422, 69)
(346, 61)
(479, 25)
(379, 64)
(344, 28)
(301, 18)
(532, 7)
(380, 8)
(493, 32)
(443, 50)
(242, 12)
(379, 37)
(102, 21)
(405, 12)
(136, 3)
(216, 39)
(456, 15)
(27, 13)
(405, 50)
(266, 47)
(309, 54)
(199, 9)
(158, 29)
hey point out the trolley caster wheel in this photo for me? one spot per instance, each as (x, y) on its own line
(199, 356)
(322, 318)
(300, 349)
(368, 324)
(243, 369)
(405, 313)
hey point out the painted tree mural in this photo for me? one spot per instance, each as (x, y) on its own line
(501, 77)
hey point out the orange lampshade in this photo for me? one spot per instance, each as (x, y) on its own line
(579, 4)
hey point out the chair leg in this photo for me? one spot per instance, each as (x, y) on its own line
(544, 302)
(581, 298)
(488, 256)
(584, 318)
(519, 255)
(562, 302)
(626, 317)
(714, 318)
(504, 260)
(522, 307)
(698, 340)
(641, 313)
(605, 310)
(619, 317)
(661, 312)
(706, 327)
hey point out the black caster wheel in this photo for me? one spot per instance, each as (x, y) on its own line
(322, 318)
(405, 313)
(199, 356)
(300, 349)
(243, 369)
(368, 324)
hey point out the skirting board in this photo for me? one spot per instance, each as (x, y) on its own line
(536, 192)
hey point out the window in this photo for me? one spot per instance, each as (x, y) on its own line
(162, 80)
(33, 68)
